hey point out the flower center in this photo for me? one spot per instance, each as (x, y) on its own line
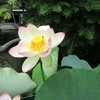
(37, 44)
(37, 40)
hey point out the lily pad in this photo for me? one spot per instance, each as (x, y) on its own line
(74, 62)
(71, 84)
(15, 83)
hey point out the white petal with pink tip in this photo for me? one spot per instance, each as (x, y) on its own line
(58, 38)
(14, 52)
(5, 96)
(32, 31)
(44, 27)
(47, 49)
(48, 45)
(29, 63)
(22, 33)
(51, 33)
(46, 53)
(28, 53)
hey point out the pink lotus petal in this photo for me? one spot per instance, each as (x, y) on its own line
(58, 39)
(32, 31)
(22, 33)
(46, 53)
(5, 96)
(51, 33)
(14, 52)
(29, 63)
(16, 97)
(47, 61)
(47, 49)
(48, 45)
(44, 27)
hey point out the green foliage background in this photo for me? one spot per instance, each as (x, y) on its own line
(79, 19)
(6, 7)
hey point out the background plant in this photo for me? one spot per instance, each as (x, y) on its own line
(6, 9)
(78, 18)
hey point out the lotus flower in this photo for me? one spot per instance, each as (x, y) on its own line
(5, 96)
(36, 43)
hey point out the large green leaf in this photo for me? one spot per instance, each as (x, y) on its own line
(48, 71)
(15, 83)
(74, 62)
(71, 84)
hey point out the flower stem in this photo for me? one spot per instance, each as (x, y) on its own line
(42, 71)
